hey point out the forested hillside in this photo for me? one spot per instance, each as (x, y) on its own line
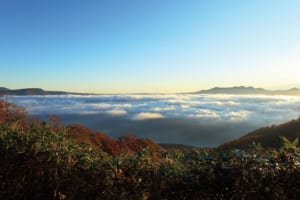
(48, 160)
(268, 137)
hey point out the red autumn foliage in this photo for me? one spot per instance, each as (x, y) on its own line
(55, 123)
(132, 144)
(10, 112)
(145, 142)
(95, 139)
(130, 141)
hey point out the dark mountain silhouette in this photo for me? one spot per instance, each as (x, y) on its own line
(240, 90)
(3, 89)
(34, 91)
(268, 136)
(248, 90)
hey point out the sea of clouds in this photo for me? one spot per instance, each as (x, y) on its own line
(200, 120)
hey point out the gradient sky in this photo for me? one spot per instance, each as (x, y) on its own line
(110, 46)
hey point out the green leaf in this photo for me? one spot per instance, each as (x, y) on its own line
(295, 142)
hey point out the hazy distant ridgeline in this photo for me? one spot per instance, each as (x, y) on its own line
(33, 91)
(249, 90)
(28, 91)
(216, 90)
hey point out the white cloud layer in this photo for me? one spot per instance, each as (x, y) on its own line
(223, 108)
(147, 115)
(116, 112)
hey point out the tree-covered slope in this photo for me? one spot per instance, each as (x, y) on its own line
(47, 160)
(268, 136)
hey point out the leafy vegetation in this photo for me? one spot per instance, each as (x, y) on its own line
(47, 160)
(288, 145)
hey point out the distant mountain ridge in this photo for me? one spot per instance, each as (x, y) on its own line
(240, 90)
(33, 91)
(248, 90)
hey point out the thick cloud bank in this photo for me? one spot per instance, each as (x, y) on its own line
(201, 120)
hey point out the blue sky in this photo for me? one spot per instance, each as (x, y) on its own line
(123, 46)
